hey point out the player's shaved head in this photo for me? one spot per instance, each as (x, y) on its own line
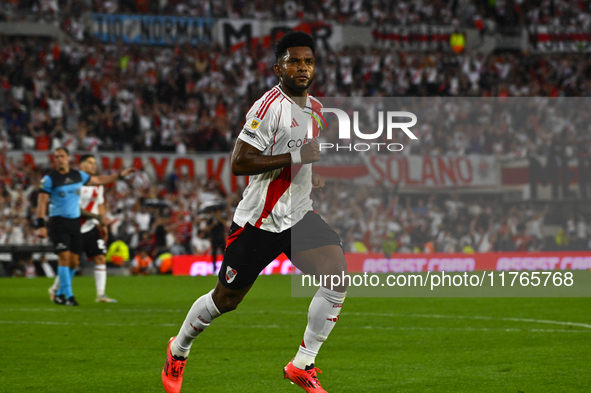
(291, 40)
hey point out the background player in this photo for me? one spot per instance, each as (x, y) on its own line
(92, 203)
(61, 187)
(274, 216)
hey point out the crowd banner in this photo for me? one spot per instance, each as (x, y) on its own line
(549, 178)
(153, 29)
(157, 166)
(412, 38)
(412, 173)
(415, 172)
(547, 38)
(200, 265)
(235, 34)
(419, 172)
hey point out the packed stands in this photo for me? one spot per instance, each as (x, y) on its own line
(103, 97)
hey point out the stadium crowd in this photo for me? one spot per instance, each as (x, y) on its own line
(380, 220)
(178, 215)
(114, 97)
(105, 97)
(460, 13)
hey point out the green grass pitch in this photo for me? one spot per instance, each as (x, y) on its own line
(528, 345)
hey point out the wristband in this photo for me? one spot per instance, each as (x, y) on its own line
(119, 175)
(40, 223)
(296, 157)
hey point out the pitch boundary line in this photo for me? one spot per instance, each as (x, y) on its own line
(386, 315)
(409, 328)
(476, 317)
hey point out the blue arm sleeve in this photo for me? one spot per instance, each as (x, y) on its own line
(46, 185)
(85, 177)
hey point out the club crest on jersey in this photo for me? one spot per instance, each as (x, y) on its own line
(230, 274)
(255, 123)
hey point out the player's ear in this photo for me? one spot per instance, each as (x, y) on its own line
(277, 69)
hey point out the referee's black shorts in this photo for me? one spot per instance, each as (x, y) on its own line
(65, 234)
(249, 250)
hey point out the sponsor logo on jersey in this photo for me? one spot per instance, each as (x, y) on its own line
(63, 194)
(230, 274)
(61, 246)
(254, 124)
(68, 181)
(300, 142)
(249, 133)
(294, 123)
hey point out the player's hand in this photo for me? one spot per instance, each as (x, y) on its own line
(317, 181)
(41, 232)
(105, 221)
(310, 152)
(126, 172)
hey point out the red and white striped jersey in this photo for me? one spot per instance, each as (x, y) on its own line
(90, 199)
(275, 201)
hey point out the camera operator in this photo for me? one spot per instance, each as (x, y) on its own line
(215, 231)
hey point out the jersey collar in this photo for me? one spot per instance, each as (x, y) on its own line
(289, 98)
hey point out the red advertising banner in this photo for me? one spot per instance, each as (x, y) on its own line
(197, 265)
(200, 265)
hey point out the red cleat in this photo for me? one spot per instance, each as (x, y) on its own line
(306, 379)
(172, 372)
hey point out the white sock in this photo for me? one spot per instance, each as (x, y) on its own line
(100, 279)
(56, 284)
(198, 319)
(323, 315)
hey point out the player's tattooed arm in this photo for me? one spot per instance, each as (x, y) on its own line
(248, 160)
(87, 214)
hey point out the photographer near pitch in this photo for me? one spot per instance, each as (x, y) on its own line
(215, 230)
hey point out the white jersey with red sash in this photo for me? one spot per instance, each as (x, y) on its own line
(90, 199)
(275, 201)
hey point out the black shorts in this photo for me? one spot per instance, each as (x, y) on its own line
(65, 234)
(249, 250)
(93, 244)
